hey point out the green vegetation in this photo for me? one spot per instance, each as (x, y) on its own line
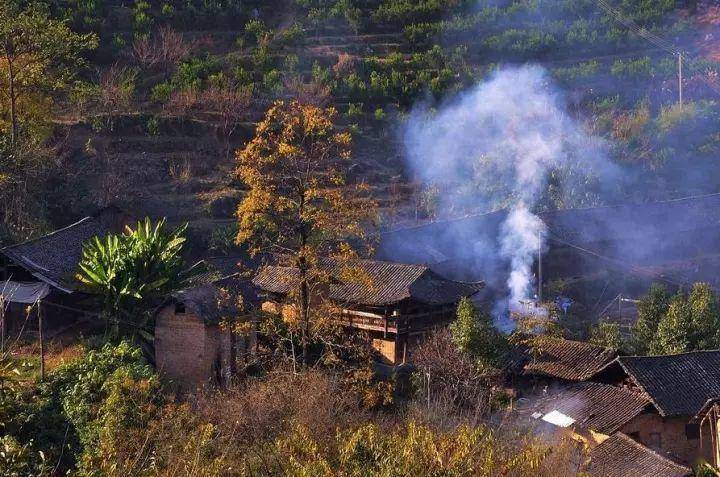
(475, 335)
(132, 271)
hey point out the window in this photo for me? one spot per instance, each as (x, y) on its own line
(692, 431)
(179, 308)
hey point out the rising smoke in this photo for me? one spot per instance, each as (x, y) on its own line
(497, 146)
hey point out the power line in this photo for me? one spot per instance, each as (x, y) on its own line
(659, 42)
(620, 263)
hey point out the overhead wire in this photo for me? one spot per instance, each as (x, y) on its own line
(654, 39)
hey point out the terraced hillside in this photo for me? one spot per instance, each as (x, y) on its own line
(174, 88)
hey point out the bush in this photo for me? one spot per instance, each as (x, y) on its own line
(64, 419)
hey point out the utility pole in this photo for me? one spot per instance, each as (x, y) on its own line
(539, 285)
(42, 343)
(680, 79)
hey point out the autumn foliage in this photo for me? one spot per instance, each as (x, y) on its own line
(299, 204)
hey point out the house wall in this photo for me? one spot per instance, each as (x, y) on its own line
(668, 434)
(387, 349)
(189, 352)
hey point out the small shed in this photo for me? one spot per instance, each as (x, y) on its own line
(197, 340)
(42, 270)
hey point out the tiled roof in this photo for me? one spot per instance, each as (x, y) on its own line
(598, 407)
(207, 302)
(54, 258)
(566, 359)
(678, 385)
(378, 283)
(620, 456)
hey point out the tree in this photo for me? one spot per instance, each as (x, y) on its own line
(37, 55)
(690, 323)
(705, 316)
(607, 335)
(299, 204)
(651, 308)
(675, 329)
(131, 271)
(475, 335)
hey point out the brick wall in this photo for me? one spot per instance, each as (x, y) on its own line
(184, 351)
(668, 434)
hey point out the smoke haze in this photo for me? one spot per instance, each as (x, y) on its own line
(497, 146)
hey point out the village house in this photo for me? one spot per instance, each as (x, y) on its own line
(664, 403)
(597, 415)
(200, 332)
(396, 304)
(678, 387)
(42, 270)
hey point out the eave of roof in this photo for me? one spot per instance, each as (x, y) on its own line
(671, 397)
(621, 456)
(389, 283)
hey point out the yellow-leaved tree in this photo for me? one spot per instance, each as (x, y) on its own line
(300, 205)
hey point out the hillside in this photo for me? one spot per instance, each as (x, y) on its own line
(150, 123)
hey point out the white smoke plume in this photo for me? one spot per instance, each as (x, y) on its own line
(496, 145)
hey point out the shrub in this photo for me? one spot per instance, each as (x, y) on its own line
(379, 114)
(355, 110)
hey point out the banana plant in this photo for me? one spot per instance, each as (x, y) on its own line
(132, 271)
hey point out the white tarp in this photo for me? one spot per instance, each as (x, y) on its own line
(558, 418)
(23, 292)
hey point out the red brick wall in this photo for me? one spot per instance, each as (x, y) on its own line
(184, 351)
(668, 434)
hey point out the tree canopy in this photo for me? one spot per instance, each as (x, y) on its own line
(38, 55)
(676, 324)
(299, 203)
(475, 335)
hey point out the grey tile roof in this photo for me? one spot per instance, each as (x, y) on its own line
(381, 283)
(207, 301)
(54, 257)
(597, 407)
(678, 385)
(566, 359)
(620, 456)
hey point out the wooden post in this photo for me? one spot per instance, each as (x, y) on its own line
(42, 344)
(2, 324)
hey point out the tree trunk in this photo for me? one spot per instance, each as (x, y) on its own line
(304, 316)
(13, 104)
